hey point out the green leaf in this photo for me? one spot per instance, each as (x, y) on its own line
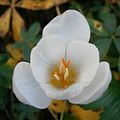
(24, 35)
(109, 20)
(18, 44)
(119, 66)
(34, 29)
(26, 51)
(25, 111)
(3, 58)
(117, 32)
(109, 102)
(94, 29)
(113, 52)
(3, 98)
(35, 39)
(5, 79)
(112, 61)
(76, 6)
(103, 44)
(117, 44)
(29, 39)
(69, 117)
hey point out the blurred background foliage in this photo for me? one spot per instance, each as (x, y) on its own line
(21, 24)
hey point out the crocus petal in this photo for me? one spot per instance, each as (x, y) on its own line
(97, 87)
(60, 94)
(19, 95)
(85, 59)
(26, 87)
(45, 55)
(71, 24)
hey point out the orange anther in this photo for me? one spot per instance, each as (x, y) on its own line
(64, 63)
(68, 63)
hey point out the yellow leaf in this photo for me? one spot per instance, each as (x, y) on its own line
(5, 23)
(12, 62)
(81, 114)
(17, 25)
(116, 75)
(39, 4)
(15, 53)
(4, 2)
(58, 105)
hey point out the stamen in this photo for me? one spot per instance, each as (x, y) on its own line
(63, 75)
(68, 63)
(64, 63)
(66, 73)
(61, 68)
(56, 77)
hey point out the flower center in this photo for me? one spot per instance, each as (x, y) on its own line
(64, 75)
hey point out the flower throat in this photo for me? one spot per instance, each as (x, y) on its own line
(63, 76)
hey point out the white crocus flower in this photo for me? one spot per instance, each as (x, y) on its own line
(63, 65)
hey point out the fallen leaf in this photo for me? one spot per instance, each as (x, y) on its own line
(58, 105)
(116, 75)
(4, 2)
(11, 62)
(17, 24)
(39, 4)
(15, 53)
(81, 114)
(5, 23)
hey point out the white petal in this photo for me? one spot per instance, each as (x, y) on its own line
(97, 87)
(60, 94)
(27, 87)
(45, 55)
(71, 24)
(85, 58)
(18, 94)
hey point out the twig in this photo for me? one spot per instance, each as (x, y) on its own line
(61, 117)
(53, 114)
(7, 114)
(57, 8)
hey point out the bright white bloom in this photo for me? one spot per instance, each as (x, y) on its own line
(62, 66)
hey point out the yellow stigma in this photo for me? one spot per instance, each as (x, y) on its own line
(63, 75)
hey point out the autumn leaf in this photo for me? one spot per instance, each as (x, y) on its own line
(81, 114)
(17, 21)
(5, 23)
(75, 110)
(17, 24)
(39, 4)
(4, 2)
(16, 55)
(11, 62)
(57, 106)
